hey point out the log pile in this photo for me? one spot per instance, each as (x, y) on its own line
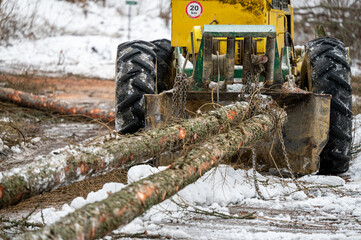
(123, 151)
(97, 219)
(48, 104)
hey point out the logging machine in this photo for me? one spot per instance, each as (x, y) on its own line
(218, 46)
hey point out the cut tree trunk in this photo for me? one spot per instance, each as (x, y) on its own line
(98, 219)
(48, 104)
(63, 168)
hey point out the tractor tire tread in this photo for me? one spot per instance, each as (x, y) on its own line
(331, 75)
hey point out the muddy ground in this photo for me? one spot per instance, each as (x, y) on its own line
(28, 133)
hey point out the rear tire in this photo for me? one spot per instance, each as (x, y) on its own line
(325, 70)
(164, 53)
(140, 66)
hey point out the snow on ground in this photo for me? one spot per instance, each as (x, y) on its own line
(330, 208)
(224, 187)
(77, 39)
(82, 40)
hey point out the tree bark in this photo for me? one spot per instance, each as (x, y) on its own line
(98, 219)
(124, 151)
(47, 104)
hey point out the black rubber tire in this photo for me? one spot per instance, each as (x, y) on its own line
(164, 52)
(140, 65)
(135, 74)
(325, 69)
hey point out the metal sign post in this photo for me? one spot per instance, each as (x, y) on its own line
(130, 3)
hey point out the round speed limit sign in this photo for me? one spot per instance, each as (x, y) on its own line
(194, 9)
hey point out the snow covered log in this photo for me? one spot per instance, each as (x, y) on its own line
(98, 219)
(127, 150)
(48, 104)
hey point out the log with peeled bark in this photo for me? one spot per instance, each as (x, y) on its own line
(48, 104)
(63, 168)
(98, 219)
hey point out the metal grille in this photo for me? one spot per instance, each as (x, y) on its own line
(280, 4)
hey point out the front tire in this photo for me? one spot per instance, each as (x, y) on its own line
(135, 74)
(325, 70)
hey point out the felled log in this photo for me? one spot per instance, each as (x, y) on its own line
(127, 150)
(48, 104)
(98, 219)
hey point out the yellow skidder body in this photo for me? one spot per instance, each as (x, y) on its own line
(188, 14)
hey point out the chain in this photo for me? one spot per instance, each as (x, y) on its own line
(179, 98)
(287, 160)
(254, 165)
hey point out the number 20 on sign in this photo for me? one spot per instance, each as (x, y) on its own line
(194, 9)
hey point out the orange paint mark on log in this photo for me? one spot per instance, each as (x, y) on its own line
(145, 193)
(182, 133)
(102, 165)
(205, 166)
(121, 211)
(93, 232)
(141, 196)
(73, 110)
(215, 158)
(200, 170)
(66, 169)
(15, 97)
(231, 115)
(82, 168)
(61, 109)
(123, 160)
(1, 192)
(51, 105)
(161, 141)
(164, 195)
(95, 111)
(102, 218)
(190, 171)
(17, 198)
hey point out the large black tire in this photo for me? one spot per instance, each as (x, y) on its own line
(326, 70)
(139, 66)
(164, 53)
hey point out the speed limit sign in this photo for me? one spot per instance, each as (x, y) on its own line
(194, 9)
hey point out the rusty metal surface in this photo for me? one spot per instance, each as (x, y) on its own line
(305, 132)
(158, 109)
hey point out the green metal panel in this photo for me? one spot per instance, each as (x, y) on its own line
(239, 30)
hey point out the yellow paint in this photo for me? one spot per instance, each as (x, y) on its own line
(236, 12)
(197, 37)
(224, 13)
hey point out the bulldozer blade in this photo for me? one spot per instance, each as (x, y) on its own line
(305, 133)
(158, 109)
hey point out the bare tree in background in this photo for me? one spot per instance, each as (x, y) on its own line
(341, 19)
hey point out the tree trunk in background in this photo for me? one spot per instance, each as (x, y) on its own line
(124, 151)
(47, 104)
(341, 19)
(98, 219)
